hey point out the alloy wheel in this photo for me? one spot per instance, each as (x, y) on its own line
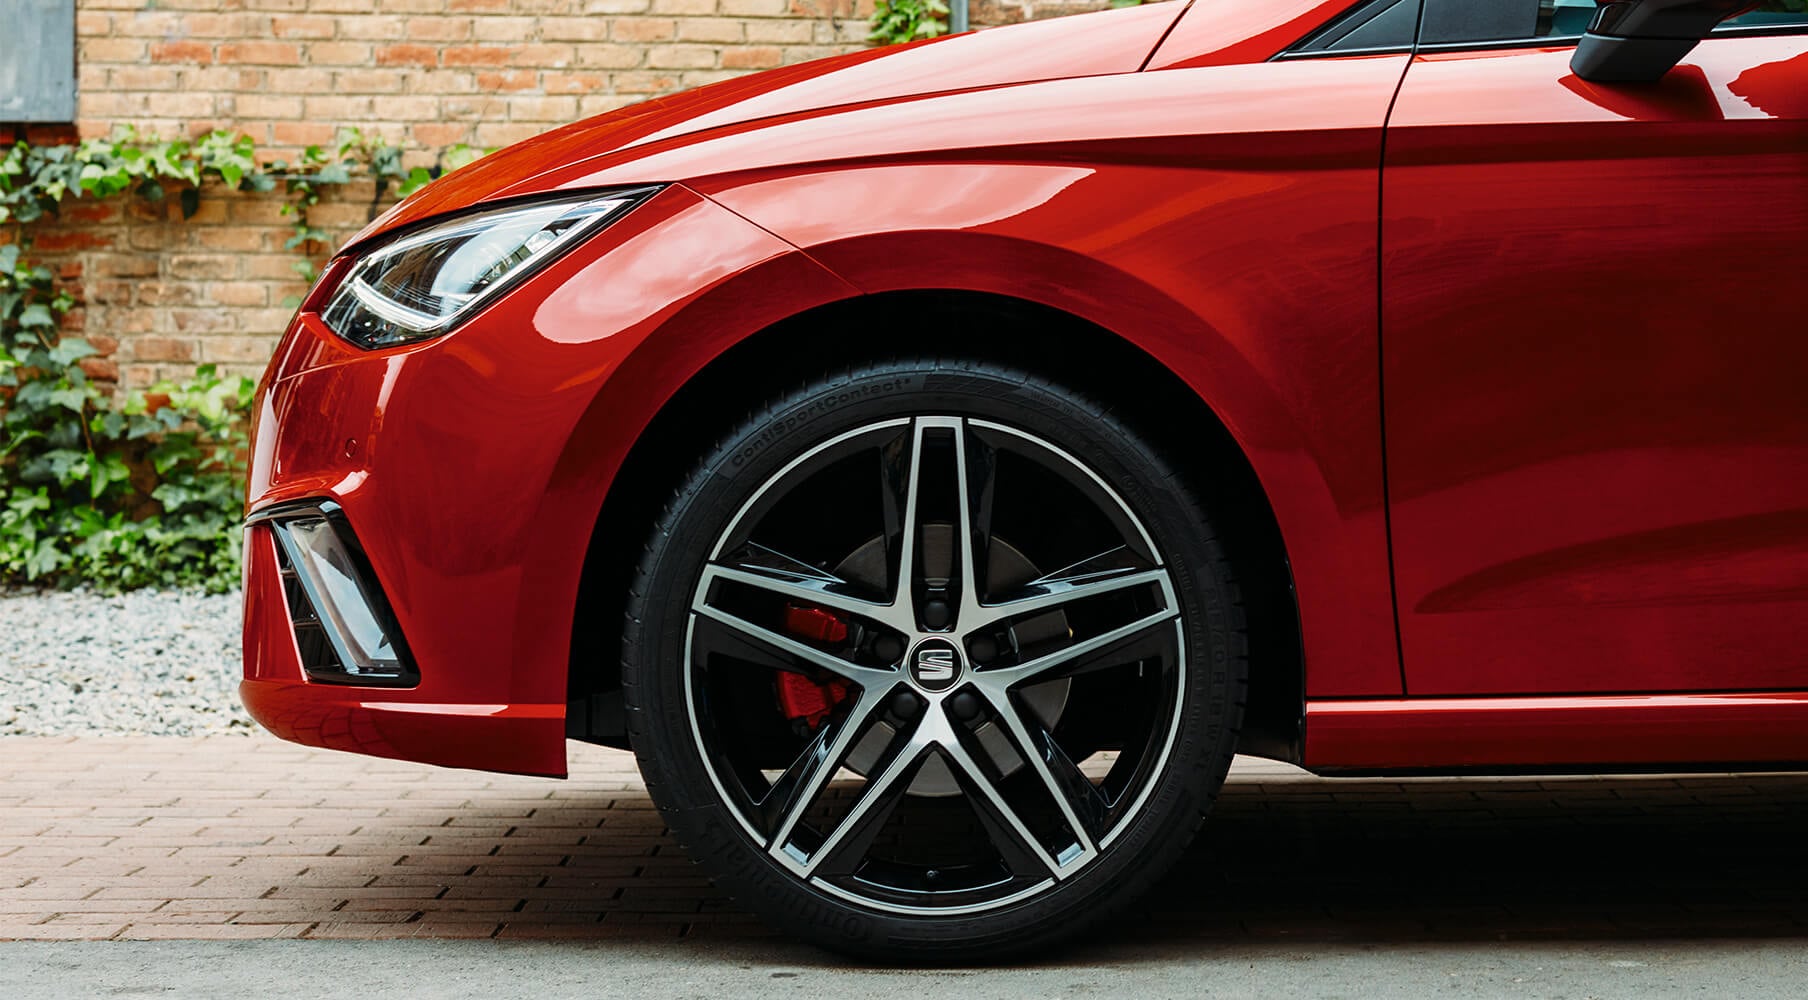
(934, 665)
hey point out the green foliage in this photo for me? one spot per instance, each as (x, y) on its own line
(144, 490)
(34, 180)
(907, 20)
(147, 494)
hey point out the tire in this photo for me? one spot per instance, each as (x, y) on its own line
(1092, 617)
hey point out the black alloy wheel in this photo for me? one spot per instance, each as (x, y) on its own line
(930, 660)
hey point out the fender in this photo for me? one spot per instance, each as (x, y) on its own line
(488, 613)
(1147, 203)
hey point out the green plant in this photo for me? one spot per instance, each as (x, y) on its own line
(354, 153)
(907, 20)
(125, 491)
(143, 494)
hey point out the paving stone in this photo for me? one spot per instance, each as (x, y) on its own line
(226, 837)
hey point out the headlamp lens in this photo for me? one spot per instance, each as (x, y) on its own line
(419, 286)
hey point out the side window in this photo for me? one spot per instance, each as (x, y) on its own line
(1569, 18)
(1564, 18)
(1469, 22)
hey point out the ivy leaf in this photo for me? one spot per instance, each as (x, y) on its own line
(44, 559)
(62, 466)
(70, 350)
(335, 173)
(36, 315)
(138, 425)
(173, 496)
(232, 173)
(418, 178)
(191, 202)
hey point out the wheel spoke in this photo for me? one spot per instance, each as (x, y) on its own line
(1084, 655)
(845, 846)
(976, 488)
(1051, 594)
(906, 520)
(789, 652)
(1081, 805)
(820, 590)
(1010, 835)
(902, 485)
(795, 790)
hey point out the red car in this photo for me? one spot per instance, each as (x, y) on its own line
(935, 462)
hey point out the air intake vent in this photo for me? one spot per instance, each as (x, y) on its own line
(317, 655)
(345, 630)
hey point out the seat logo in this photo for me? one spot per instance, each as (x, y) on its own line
(935, 664)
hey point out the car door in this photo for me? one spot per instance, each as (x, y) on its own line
(1595, 359)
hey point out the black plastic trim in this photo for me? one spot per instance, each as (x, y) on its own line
(321, 658)
(1390, 50)
(1348, 34)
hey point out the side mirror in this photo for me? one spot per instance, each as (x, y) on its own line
(1638, 41)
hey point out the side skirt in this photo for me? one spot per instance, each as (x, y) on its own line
(1569, 733)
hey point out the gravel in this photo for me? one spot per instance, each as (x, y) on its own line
(159, 663)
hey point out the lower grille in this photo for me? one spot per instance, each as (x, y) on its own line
(345, 631)
(317, 654)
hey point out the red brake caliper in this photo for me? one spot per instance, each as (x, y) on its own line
(799, 697)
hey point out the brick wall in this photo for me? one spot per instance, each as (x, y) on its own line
(163, 295)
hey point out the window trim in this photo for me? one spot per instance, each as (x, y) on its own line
(1292, 52)
(1570, 41)
(1295, 50)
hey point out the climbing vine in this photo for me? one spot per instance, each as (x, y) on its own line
(118, 490)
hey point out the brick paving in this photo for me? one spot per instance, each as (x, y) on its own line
(233, 837)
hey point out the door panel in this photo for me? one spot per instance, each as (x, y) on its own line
(1595, 358)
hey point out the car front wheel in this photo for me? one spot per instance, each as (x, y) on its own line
(931, 660)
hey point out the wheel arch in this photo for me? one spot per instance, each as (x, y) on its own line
(981, 325)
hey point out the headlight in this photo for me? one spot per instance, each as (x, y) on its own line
(421, 285)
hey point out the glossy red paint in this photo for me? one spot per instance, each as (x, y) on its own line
(1111, 42)
(516, 736)
(1230, 34)
(1220, 213)
(1597, 441)
(1115, 238)
(482, 568)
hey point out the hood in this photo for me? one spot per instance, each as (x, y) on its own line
(1107, 42)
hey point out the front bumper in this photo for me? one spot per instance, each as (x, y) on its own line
(285, 699)
(472, 469)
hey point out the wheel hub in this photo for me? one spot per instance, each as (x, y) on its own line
(934, 665)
